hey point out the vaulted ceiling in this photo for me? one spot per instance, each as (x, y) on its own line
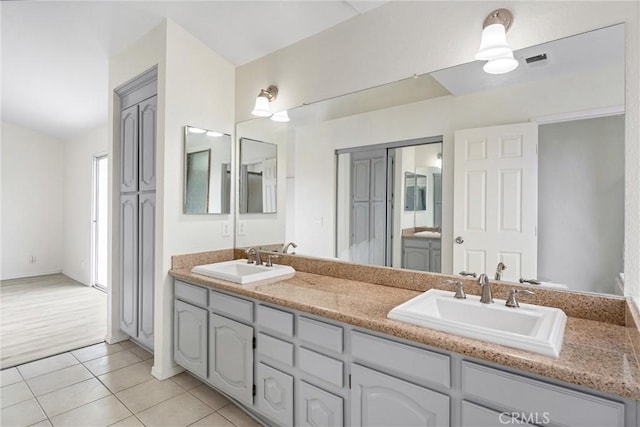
(55, 53)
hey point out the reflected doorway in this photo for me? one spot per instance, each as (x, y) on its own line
(99, 233)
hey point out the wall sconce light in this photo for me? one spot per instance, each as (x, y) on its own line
(280, 116)
(493, 44)
(265, 96)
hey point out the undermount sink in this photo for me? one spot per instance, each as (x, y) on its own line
(239, 271)
(533, 328)
(428, 234)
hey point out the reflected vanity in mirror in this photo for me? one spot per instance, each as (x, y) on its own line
(575, 100)
(258, 176)
(207, 171)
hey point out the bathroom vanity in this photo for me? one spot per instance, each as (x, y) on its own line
(318, 349)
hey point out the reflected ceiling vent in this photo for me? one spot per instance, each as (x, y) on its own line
(536, 58)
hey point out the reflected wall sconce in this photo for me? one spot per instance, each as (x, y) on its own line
(439, 161)
(262, 108)
(493, 44)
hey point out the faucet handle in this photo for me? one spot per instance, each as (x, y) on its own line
(250, 253)
(530, 281)
(512, 301)
(460, 294)
(269, 258)
(468, 273)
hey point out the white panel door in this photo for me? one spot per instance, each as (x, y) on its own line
(496, 200)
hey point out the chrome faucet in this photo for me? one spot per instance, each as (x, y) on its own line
(468, 273)
(499, 269)
(256, 256)
(486, 297)
(512, 301)
(286, 247)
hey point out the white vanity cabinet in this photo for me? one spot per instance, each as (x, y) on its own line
(421, 254)
(311, 371)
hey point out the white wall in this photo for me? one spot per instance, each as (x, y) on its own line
(79, 153)
(195, 87)
(427, 36)
(32, 202)
(581, 173)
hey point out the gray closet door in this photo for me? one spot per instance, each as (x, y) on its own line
(369, 207)
(382, 400)
(146, 245)
(129, 264)
(129, 150)
(147, 144)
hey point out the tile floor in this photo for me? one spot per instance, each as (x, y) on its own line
(104, 385)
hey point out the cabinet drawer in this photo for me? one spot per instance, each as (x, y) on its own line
(276, 349)
(316, 407)
(275, 320)
(536, 398)
(324, 335)
(190, 293)
(321, 366)
(473, 415)
(405, 360)
(238, 308)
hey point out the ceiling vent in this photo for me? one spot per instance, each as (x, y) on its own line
(536, 58)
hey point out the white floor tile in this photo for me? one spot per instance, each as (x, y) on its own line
(132, 421)
(10, 376)
(111, 362)
(122, 379)
(212, 398)
(237, 416)
(22, 414)
(182, 410)
(59, 379)
(103, 412)
(95, 351)
(146, 395)
(72, 397)
(14, 393)
(213, 420)
(186, 381)
(46, 365)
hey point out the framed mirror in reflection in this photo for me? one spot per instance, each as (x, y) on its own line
(207, 171)
(258, 176)
(568, 202)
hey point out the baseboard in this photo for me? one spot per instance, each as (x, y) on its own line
(174, 370)
(116, 338)
(31, 274)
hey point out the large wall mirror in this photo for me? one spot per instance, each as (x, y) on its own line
(258, 176)
(533, 159)
(207, 171)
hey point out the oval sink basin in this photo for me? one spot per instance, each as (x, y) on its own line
(533, 328)
(238, 271)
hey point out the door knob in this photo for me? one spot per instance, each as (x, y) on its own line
(459, 240)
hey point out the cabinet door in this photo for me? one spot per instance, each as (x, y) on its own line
(146, 246)
(190, 337)
(318, 408)
(275, 394)
(381, 400)
(416, 258)
(434, 256)
(129, 264)
(129, 149)
(147, 147)
(231, 357)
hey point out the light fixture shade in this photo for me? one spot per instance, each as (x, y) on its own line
(501, 65)
(493, 43)
(261, 108)
(281, 116)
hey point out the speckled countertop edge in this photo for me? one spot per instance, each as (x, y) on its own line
(596, 354)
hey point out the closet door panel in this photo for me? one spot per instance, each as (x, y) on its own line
(147, 149)
(129, 150)
(146, 243)
(129, 264)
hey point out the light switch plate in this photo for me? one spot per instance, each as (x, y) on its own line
(226, 229)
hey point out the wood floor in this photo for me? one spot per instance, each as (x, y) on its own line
(46, 315)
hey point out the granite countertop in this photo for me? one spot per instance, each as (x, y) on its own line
(595, 354)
